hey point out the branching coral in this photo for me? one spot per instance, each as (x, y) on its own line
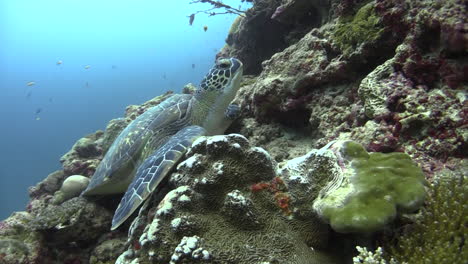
(368, 257)
(439, 233)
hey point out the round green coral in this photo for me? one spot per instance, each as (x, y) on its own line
(373, 188)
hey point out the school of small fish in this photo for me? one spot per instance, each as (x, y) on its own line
(87, 67)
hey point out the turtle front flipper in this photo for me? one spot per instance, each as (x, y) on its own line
(153, 170)
(232, 111)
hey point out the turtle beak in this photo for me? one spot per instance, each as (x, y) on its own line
(236, 65)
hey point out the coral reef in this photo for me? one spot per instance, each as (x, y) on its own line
(17, 243)
(370, 189)
(226, 206)
(84, 156)
(389, 74)
(48, 186)
(257, 36)
(363, 27)
(334, 86)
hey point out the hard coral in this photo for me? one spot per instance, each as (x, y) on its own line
(438, 234)
(372, 188)
(71, 187)
(84, 156)
(48, 186)
(434, 40)
(212, 202)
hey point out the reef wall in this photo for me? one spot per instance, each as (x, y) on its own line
(278, 188)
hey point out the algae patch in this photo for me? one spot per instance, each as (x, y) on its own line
(351, 31)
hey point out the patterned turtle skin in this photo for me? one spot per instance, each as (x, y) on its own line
(149, 147)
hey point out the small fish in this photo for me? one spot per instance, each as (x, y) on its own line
(50, 100)
(191, 19)
(38, 118)
(205, 28)
(87, 67)
(87, 84)
(29, 95)
(30, 83)
(193, 65)
(164, 76)
(38, 111)
(59, 62)
(114, 67)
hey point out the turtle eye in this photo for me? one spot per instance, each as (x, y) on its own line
(224, 63)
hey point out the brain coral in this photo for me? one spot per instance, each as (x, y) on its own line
(227, 206)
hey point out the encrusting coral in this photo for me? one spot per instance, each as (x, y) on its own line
(353, 190)
(373, 187)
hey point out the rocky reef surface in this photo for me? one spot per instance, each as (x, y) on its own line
(353, 133)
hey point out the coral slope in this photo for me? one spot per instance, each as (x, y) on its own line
(389, 74)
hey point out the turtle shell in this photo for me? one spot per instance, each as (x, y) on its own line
(137, 141)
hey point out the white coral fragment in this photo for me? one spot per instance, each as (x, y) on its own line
(189, 248)
(236, 197)
(166, 206)
(153, 229)
(218, 168)
(216, 139)
(199, 141)
(190, 162)
(175, 223)
(262, 151)
(234, 135)
(369, 257)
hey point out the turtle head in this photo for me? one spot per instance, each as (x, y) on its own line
(222, 80)
(216, 91)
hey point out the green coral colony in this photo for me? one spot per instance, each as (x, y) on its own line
(375, 187)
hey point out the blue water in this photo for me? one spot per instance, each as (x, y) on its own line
(135, 49)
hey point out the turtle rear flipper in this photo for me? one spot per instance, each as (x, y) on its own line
(153, 170)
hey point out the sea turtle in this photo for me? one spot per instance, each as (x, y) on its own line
(149, 147)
